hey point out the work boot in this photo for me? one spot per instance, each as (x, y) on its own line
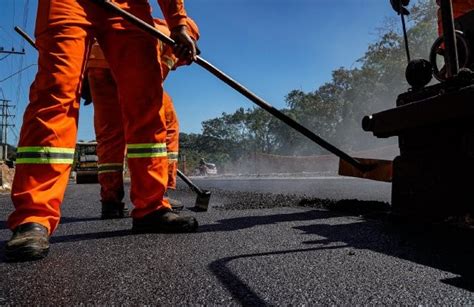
(112, 210)
(30, 241)
(165, 221)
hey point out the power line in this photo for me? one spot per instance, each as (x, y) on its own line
(18, 72)
(5, 56)
(9, 34)
(13, 51)
(20, 66)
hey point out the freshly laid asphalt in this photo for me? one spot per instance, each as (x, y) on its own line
(263, 242)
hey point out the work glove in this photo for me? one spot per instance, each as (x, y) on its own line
(399, 6)
(185, 47)
(86, 91)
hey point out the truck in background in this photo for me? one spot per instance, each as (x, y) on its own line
(86, 162)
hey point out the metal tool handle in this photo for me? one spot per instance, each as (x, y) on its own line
(451, 53)
(26, 36)
(405, 38)
(194, 187)
(235, 85)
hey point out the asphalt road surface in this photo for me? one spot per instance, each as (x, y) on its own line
(263, 242)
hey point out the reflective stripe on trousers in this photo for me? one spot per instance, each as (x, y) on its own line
(44, 155)
(150, 150)
(110, 168)
(172, 156)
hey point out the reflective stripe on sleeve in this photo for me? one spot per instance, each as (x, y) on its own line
(152, 150)
(44, 155)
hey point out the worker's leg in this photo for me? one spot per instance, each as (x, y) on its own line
(132, 56)
(172, 139)
(133, 59)
(110, 141)
(109, 134)
(48, 134)
(172, 147)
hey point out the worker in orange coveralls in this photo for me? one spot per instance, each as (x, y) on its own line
(109, 128)
(64, 32)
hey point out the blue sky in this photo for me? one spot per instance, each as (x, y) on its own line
(270, 46)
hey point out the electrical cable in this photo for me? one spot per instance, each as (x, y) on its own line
(3, 58)
(19, 82)
(16, 73)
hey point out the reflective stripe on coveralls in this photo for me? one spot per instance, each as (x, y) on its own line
(146, 150)
(110, 168)
(64, 30)
(44, 155)
(173, 156)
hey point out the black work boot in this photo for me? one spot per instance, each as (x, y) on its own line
(165, 221)
(30, 241)
(112, 210)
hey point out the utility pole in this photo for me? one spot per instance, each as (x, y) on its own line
(4, 116)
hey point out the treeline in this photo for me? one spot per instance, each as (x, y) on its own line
(333, 111)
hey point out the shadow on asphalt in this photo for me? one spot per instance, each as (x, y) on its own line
(440, 247)
(2, 254)
(252, 221)
(74, 238)
(239, 289)
(224, 225)
(91, 236)
(67, 220)
(64, 220)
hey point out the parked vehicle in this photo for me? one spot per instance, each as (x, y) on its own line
(86, 167)
(205, 169)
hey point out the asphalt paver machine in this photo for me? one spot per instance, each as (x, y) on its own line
(432, 176)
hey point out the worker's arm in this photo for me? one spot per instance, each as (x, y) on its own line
(175, 15)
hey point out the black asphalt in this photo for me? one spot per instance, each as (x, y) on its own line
(274, 244)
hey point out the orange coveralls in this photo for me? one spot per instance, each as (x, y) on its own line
(64, 32)
(108, 123)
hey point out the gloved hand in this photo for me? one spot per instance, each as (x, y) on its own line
(185, 48)
(86, 91)
(399, 6)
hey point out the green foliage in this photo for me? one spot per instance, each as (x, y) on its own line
(333, 111)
